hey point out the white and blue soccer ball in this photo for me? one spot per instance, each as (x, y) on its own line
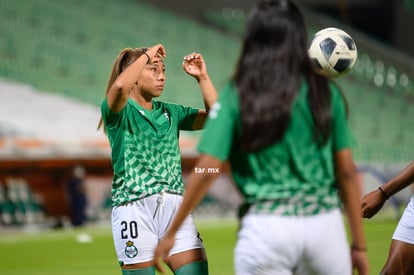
(333, 52)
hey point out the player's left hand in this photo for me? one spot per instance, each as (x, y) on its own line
(195, 66)
(161, 252)
(371, 203)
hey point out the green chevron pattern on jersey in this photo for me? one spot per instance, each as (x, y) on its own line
(145, 149)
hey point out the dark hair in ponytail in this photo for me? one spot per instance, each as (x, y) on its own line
(273, 63)
(125, 58)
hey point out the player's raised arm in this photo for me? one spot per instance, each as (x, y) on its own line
(119, 87)
(195, 66)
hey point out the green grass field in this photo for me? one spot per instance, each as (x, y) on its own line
(57, 252)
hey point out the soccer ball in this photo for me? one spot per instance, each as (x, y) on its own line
(333, 52)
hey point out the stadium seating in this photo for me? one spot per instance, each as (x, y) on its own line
(380, 96)
(17, 203)
(68, 47)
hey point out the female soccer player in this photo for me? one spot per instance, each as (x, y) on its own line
(284, 130)
(147, 185)
(401, 255)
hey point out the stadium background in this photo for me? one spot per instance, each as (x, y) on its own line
(55, 58)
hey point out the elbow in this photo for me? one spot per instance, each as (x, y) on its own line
(117, 97)
(348, 184)
(118, 87)
(347, 179)
(346, 175)
(345, 168)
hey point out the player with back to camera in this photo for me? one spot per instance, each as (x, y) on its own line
(401, 254)
(147, 184)
(284, 130)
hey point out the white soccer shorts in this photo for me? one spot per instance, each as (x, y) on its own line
(405, 228)
(137, 228)
(286, 245)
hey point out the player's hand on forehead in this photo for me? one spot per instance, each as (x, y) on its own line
(161, 52)
(159, 55)
(156, 61)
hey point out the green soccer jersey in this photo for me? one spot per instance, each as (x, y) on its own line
(145, 150)
(292, 177)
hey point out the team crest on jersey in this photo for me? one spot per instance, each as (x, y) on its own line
(130, 250)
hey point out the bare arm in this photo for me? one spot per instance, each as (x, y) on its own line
(196, 188)
(195, 66)
(374, 201)
(399, 182)
(119, 91)
(345, 172)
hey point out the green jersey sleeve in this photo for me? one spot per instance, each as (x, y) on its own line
(218, 132)
(341, 132)
(186, 116)
(110, 119)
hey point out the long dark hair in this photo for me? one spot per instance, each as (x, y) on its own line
(270, 69)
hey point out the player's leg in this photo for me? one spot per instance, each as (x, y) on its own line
(189, 262)
(401, 255)
(137, 270)
(134, 237)
(400, 259)
(187, 257)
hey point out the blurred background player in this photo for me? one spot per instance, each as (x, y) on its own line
(401, 254)
(147, 185)
(77, 196)
(283, 127)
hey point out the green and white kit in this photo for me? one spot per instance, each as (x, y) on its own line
(292, 177)
(145, 152)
